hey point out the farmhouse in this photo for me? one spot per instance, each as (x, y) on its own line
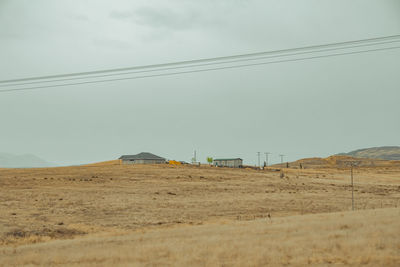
(232, 163)
(142, 158)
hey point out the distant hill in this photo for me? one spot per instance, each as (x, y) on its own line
(338, 161)
(384, 152)
(23, 161)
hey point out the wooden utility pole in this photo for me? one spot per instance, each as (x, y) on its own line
(259, 164)
(352, 165)
(352, 187)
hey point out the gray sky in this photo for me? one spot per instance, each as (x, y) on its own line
(300, 109)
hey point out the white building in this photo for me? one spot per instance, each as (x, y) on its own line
(232, 163)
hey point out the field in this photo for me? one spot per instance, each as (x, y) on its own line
(185, 215)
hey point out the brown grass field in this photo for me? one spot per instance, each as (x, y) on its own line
(111, 214)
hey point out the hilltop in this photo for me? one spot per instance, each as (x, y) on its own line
(367, 157)
(339, 161)
(383, 152)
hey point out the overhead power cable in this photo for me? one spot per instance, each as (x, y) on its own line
(314, 47)
(200, 70)
(217, 62)
(193, 64)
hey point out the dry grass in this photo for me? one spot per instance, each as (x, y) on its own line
(108, 206)
(104, 163)
(352, 238)
(341, 162)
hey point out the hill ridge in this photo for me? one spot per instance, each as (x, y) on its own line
(382, 152)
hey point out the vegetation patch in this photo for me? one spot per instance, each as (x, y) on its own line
(19, 236)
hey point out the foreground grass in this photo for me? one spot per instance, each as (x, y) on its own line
(38, 205)
(368, 237)
(185, 215)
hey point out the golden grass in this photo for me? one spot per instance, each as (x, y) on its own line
(105, 163)
(148, 215)
(339, 161)
(367, 238)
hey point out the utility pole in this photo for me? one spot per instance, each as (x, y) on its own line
(194, 159)
(281, 155)
(266, 157)
(258, 153)
(352, 187)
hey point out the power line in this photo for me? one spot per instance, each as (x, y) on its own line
(188, 62)
(281, 155)
(266, 158)
(196, 71)
(84, 76)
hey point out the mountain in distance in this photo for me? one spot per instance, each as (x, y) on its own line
(8, 160)
(383, 152)
(385, 156)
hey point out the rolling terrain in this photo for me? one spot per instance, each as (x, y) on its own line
(338, 161)
(98, 214)
(384, 152)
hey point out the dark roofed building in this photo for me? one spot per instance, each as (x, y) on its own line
(142, 158)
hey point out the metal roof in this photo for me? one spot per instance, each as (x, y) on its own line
(227, 159)
(143, 155)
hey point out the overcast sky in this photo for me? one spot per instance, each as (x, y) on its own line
(301, 109)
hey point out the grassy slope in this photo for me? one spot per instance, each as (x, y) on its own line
(368, 237)
(386, 153)
(190, 215)
(339, 161)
